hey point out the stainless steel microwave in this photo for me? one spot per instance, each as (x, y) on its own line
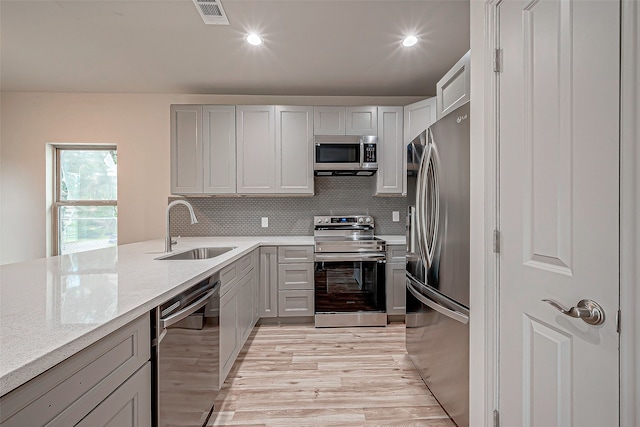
(345, 155)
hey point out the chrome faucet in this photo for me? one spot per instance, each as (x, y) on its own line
(168, 241)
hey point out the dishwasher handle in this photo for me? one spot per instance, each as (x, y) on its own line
(190, 309)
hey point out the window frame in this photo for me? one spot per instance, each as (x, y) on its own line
(58, 204)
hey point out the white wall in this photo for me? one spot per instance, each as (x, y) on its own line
(137, 123)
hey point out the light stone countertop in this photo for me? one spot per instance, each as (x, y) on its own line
(52, 308)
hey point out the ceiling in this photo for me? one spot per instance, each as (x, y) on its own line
(311, 47)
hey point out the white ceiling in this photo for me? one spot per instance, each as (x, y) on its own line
(311, 47)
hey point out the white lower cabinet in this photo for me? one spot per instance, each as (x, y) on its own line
(395, 279)
(295, 281)
(293, 303)
(109, 378)
(127, 406)
(268, 282)
(229, 339)
(238, 302)
(245, 306)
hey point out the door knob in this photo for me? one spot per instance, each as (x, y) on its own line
(589, 311)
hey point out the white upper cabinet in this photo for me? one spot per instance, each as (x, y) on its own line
(454, 88)
(294, 149)
(329, 120)
(390, 151)
(203, 149)
(186, 149)
(256, 149)
(219, 149)
(361, 121)
(345, 121)
(274, 149)
(417, 118)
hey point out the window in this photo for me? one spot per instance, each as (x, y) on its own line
(86, 207)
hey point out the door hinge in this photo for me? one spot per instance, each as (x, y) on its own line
(496, 418)
(496, 61)
(618, 315)
(496, 241)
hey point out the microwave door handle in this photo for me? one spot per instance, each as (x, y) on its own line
(361, 154)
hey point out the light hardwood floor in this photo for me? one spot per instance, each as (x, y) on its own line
(297, 375)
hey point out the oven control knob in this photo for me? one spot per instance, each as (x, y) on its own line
(368, 220)
(326, 220)
(319, 220)
(360, 220)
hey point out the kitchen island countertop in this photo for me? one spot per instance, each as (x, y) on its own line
(52, 308)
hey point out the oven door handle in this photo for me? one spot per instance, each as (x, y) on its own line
(381, 257)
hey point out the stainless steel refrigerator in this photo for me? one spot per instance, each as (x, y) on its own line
(437, 321)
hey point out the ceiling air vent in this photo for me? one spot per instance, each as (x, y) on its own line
(211, 12)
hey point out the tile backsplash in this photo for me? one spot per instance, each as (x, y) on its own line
(289, 216)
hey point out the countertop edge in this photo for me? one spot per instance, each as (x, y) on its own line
(14, 378)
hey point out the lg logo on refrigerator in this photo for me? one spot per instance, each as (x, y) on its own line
(461, 118)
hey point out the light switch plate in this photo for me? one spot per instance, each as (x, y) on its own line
(265, 221)
(396, 216)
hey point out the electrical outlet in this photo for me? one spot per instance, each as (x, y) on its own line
(265, 222)
(396, 216)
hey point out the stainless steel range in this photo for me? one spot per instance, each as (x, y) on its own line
(349, 274)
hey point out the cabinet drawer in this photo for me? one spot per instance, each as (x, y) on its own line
(396, 253)
(236, 271)
(128, 406)
(295, 303)
(295, 276)
(295, 254)
(64, 394)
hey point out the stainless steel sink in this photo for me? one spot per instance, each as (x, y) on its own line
(198, 253)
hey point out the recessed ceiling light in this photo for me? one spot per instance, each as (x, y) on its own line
(254, 39)
(410, 41)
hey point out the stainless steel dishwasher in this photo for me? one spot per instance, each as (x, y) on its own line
(186, 353)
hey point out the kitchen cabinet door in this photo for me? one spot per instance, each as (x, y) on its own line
(219, 149)
(329, 120)
(390, 173)
(268, 282)
(245, 306)
(129, 405)
(294, 150)
(417, 118)
(361, 121)
(229, 336)
(396, 289)
(395, 279)
(256, 149)
(454, 88)
(186, 149)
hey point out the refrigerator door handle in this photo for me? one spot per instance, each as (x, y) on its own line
(410, 240)
(432, 201)
(420, 212)
(453, 314)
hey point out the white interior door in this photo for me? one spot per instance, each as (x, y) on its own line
(559, 211)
